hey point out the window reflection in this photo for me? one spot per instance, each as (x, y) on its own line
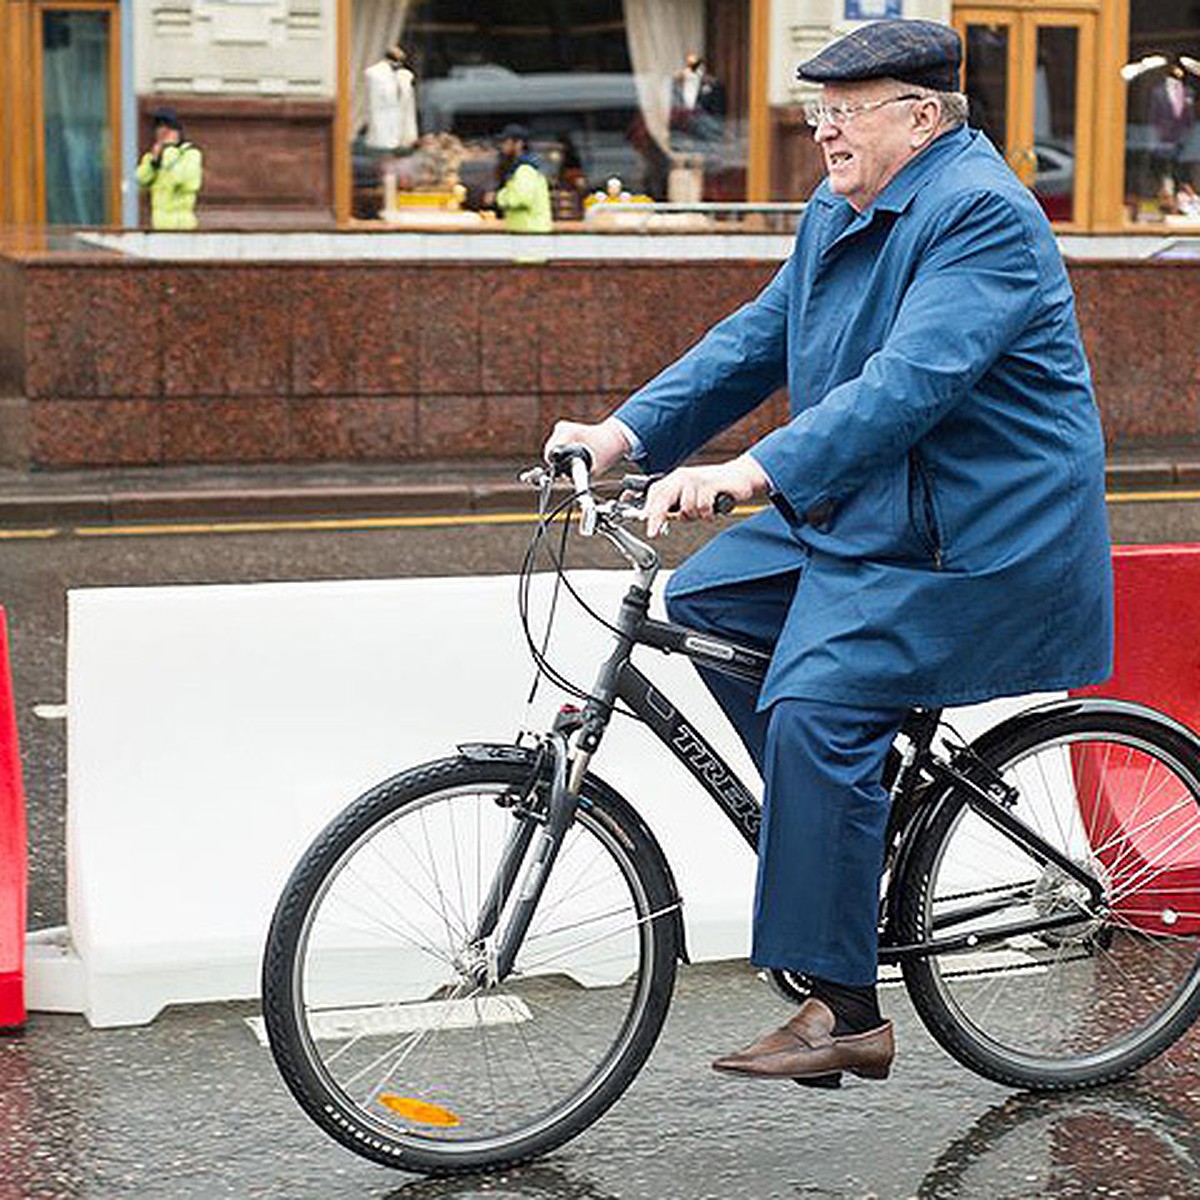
(1054, 120)
(652, 94)
(986, 82)
(1162, 136)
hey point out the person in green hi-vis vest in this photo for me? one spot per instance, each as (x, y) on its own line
(524, 196)
(173, 170)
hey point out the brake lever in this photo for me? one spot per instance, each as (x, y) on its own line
(639, 485)
(543, 480)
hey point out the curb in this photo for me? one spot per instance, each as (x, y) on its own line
(120, 508)
(254, 500)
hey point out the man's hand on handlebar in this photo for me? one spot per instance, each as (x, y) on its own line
(606, 441)
(690, 493)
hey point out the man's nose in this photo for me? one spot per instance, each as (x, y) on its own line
(825, 132)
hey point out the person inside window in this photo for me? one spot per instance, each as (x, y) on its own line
(523, 197)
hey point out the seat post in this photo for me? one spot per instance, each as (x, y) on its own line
(920, 727)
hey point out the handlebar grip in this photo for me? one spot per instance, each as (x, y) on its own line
(561, 457)
(724, 504)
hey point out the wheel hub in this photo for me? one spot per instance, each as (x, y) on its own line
(1055, 893)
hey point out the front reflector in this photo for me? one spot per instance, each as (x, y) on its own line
(419, 1111)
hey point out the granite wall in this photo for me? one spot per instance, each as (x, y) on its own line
(126, 362)
(14, 409)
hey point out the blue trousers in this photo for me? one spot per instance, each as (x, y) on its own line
(820, 850)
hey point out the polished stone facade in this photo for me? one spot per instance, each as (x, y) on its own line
(122, 362)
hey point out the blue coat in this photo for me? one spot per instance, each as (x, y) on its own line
(941, 479)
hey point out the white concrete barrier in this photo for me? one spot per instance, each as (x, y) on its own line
(213, 730)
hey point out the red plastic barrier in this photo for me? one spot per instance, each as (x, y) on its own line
(12, 852)
(1157, 663)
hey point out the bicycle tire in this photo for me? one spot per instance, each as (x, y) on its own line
(475, 1072)
(1128, 982)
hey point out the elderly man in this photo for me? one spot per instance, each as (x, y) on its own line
(936, 533)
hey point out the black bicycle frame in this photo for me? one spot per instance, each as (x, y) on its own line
(620, 680)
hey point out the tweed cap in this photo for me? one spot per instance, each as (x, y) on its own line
(924, 53)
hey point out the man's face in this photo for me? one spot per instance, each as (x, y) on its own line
(511, 147)
(166, 133)
(862, 153)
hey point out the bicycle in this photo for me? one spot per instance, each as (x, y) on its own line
(473, 961)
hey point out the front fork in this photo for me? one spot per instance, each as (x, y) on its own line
(567, 747)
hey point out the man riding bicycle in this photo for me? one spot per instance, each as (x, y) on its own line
(936, 532)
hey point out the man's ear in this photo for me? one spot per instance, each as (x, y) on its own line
(926, 114)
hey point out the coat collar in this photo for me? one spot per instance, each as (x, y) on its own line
(909, 180)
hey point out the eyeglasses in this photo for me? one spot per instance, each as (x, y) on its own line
(817, 112)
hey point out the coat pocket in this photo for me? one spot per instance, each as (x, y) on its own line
(922, 508)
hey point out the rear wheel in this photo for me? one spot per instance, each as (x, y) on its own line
(1119, 794)
(375, 994)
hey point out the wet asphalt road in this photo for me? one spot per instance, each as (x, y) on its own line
(191, 1105)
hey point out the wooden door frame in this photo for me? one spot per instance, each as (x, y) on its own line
(38, 8)
(1023, 18)
(16, 170)
(992, 14)
(1067, 17)
(343, 184)
(758, 130)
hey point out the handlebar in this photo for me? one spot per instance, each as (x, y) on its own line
(576, 461)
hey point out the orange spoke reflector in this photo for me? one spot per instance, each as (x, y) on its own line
(420, 1111)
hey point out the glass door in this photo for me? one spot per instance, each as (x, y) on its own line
(1030, 77)
(77, 78)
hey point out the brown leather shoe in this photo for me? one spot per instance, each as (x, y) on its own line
(805, 1050)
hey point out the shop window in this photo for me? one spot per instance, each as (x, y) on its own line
(599, 84)
(1162, 134)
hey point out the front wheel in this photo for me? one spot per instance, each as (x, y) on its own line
(1087, 1001)
(381, 1005)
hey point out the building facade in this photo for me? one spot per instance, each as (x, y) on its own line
(1094, 102)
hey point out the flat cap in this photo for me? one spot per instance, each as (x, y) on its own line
(923, 53)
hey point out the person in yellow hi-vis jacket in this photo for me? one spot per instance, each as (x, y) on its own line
(173, 170)
(524, 196)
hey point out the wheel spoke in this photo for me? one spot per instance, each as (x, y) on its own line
(388, 1009)
(1100, 995)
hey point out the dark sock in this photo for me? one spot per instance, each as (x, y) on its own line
(856, 1008)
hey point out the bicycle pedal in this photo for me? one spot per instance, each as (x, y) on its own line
(832, 1080)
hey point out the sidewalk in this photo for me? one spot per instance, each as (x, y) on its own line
(260, 491)
(339, 490)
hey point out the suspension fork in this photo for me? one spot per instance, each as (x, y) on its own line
(549, 828)
(513, 855)
(572, 741)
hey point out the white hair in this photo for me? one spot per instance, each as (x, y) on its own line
(954, 107)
